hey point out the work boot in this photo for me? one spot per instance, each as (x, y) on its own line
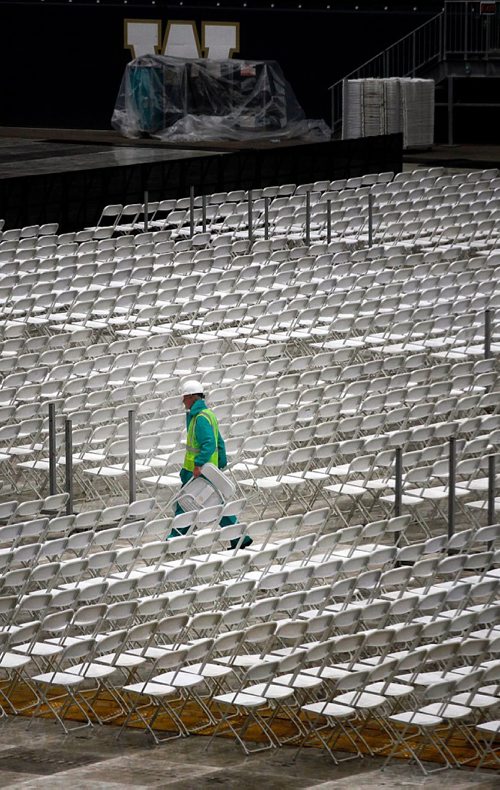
(247, 541)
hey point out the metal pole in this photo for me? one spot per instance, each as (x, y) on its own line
(191, 212)
(466, 31)
(131, 457)
(487, 333)
(250, 216)
(491, 488)
(204, 213)
(451, 486)
(308, 219)
(370, 219)
(266, 217)
(68, 443)
(398, 488)
(442, 36)
(328, 221)
(146, 209)
(344, 107)
(52, 450)
(450, 110)
(491, 492)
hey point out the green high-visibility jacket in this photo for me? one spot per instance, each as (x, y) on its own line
(204, 442)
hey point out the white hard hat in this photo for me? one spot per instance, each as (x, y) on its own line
(192, 387)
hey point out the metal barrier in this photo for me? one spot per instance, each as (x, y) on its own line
(132, 472)
(68, 442)
(452, 485)
(52, 450)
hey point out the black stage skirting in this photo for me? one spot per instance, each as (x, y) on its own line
(69, 182)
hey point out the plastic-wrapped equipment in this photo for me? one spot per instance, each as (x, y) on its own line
(175, 99)
(213, 487)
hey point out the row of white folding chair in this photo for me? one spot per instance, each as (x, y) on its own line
(81, 365)
(139, 688)
(15, 511)
(169, 404)
(56, 523)
(375, 442)
(115, 351)
(433, 588)
(94, 590)
(446, 695)
(281, 327)
(339, 620)
(95, 649)
(36, 343)
(253, 453)
(311, 414)
(238, 195)
(98, 383)
(343, 618)
(235, 566)
(299, 468)
(147, 607)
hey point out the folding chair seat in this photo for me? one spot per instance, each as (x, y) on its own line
(178, 680)
(249, 703)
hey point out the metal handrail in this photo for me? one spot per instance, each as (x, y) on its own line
(403, 58)
(459, 30)
(384, 51)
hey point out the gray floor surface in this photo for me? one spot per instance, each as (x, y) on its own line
(38, 756)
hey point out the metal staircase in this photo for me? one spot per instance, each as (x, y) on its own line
(463, 40)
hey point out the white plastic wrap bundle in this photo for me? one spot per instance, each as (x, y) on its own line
(387, 106)
(417, 106)
(392, 106)
(353, 116)
(374, 107)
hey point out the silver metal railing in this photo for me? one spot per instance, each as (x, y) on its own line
(459, 31)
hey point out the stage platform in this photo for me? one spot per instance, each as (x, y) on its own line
(68, 175)
(456, 156)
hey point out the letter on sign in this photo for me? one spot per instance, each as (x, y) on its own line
(181, 40)
(220, 40)
(142, 36)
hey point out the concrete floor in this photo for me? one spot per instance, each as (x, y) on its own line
(37, 756)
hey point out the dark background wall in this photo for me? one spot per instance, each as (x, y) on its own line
(63, 61)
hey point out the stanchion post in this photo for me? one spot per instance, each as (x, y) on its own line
(146, 210)
(370, 219)
(308, 219)
(452, 465)
(191, 211)
(250, 216)
(491, 492)
(204, 213)
(68, 444)
(52, 450)
(131, 457)
(266, 217)
(328, 221)
(487, 333)
(398, 477)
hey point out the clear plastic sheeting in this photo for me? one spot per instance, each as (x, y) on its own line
(181, 100)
